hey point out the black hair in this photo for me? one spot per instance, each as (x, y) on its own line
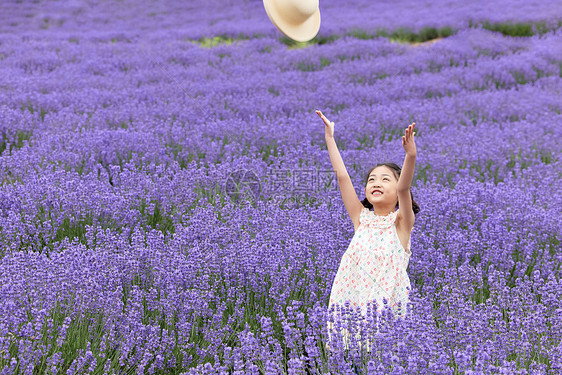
(396, 170)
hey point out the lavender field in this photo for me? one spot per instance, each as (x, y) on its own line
(168, 205)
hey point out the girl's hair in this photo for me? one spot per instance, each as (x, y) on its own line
(396, 170)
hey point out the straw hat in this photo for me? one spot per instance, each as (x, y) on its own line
(297, 19)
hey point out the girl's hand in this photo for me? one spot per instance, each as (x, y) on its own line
(408, 141)
(329, 128)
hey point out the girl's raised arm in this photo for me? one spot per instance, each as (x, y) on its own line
(406, 176)
(352, 203)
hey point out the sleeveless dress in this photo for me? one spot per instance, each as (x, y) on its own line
(373, 267)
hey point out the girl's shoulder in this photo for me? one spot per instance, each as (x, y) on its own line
(364, 216)
(365, 211)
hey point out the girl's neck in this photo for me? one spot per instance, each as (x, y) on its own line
(383, 211)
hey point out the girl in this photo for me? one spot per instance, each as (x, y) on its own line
(374, 265)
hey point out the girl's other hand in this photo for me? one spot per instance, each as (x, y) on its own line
(329, 128)
(408, 141)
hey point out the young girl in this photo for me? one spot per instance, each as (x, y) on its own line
(374, 265)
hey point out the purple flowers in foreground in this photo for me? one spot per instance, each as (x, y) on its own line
(121, 250)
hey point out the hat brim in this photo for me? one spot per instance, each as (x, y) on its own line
(302, 32)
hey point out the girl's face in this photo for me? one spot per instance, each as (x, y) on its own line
(381, 179)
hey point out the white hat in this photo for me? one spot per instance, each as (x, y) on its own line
(297, 19)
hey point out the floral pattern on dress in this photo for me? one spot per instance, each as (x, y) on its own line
(374, 266)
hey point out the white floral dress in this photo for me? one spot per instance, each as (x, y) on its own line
(373, 266)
